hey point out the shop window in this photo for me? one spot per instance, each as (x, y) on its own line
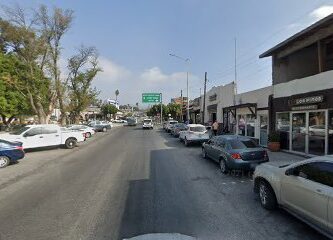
(250, 125)
(330, 132)
(241, 125)
(283, 126)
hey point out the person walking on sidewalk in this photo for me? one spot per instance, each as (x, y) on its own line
(215, 127)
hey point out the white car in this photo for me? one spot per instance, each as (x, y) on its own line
(89, 131)
(195, 133)
(44, 135)
(305, 189)
(147, 123)
(170, 124)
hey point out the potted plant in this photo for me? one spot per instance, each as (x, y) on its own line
(274, 141)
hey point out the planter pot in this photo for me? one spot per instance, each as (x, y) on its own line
(274, 146)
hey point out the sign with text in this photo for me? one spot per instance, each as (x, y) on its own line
(151, 97)
(307, 100)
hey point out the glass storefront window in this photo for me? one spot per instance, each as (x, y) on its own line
(263, 130)
(250, 125)
(330, 132)
(241, 125)
(299, 131)
(317, 132)
(283, 126)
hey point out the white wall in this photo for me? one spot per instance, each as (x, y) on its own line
(316, 82)
(259, 96)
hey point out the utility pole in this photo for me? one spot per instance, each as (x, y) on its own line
(181, 106)
(161, 111)
(204, 100)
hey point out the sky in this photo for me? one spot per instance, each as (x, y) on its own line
(135, 37)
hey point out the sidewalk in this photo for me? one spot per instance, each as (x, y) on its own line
(281, 158)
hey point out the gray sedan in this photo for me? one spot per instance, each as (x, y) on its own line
(234, 152)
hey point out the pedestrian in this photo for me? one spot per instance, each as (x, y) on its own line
(215, 127)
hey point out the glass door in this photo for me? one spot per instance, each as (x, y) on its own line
(317, 133)
(263, 130)
(299, 132)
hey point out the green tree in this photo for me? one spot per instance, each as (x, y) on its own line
(156, 110)
(83, 67)
(174, 110)
(12, 101)
(108, 109)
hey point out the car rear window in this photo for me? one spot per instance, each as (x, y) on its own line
(198, 129)
(241, 144)
(147, 121)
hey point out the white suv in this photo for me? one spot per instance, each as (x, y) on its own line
(147, 123)
(305, 189)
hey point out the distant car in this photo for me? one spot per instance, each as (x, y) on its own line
(147, 123)
(234, 152)
(100, 126)
(170, 124)
(89, 131)
(177, 128)
(305, 189)
(131, 121)
(194, 133)
(10, 152)
(44, 135)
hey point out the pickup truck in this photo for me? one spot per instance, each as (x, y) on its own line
(44, 135)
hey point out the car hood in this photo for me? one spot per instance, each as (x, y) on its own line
(161, 236)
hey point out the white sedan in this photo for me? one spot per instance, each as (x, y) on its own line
(195, 133)
(89, 131)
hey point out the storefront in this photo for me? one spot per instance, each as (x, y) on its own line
(305, 122)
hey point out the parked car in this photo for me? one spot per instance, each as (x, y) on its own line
(194, 133)
(147, 123)
(100, 126)
(234, 152)
(10, 152)
(44, 135)
(88, 131)
(170, 124)
(177, 128)
(305, 189)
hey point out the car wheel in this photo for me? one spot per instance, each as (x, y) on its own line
(70, 143)
(104, 129)
(204, 153)
(267, 195)
(223, 166)
(88, 135)
(186, 142)
(4, 161)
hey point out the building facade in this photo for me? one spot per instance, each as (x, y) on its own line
(301, 108)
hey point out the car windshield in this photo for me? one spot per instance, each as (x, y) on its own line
(172, 123)
(242, 144)
(147, 121)
(20, 131)
(198, 129)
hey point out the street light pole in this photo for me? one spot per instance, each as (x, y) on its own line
(187, 61)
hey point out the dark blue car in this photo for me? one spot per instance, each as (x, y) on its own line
(234, 152)
(10, 152)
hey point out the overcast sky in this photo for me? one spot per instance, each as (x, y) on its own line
(134, 39)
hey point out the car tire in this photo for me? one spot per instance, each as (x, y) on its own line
(186, 142)
(88, 135)
(4, 161)
(223, 166)
(267, 196)
(204, 153)
(104, 129)
(70, 143)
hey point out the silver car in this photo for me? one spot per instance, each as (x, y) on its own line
(305, 189)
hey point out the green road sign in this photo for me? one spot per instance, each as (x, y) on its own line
(151, 97)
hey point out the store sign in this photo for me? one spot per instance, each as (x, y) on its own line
(307, 107)
(307, 100)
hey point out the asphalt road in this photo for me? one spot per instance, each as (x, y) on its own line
(129, 182)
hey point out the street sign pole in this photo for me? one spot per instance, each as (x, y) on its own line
(161, 111)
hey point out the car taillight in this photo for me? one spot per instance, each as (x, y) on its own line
(236, 156)
(19, 148)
